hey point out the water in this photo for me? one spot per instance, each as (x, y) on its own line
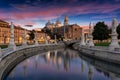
(60, 65)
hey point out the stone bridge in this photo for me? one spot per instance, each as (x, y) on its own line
(71, 43)
(9, 58)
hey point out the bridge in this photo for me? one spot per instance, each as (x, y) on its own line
(71, 42)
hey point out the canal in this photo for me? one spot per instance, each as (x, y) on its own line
(63, 64)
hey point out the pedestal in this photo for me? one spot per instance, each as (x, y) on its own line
(114, 42)
(24, 40)
(36, 42)
(90, 43)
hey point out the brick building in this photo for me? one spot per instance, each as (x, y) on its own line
(18, 31)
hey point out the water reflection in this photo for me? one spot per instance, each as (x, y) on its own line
(62, 65)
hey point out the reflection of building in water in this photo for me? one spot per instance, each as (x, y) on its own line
(47, 57)
(36, 61)
(55, 57)
(59, 62)
(66, 62)
(24, 68)
(60, 58)
(90, 72)
(82, 66)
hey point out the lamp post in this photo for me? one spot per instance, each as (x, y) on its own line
(36, 38)
(46, 41)
(24, 39)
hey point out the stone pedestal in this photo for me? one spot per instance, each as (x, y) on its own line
(90, 42)
(114, 41)
(24, 39)
(82, 38)
(12, 42)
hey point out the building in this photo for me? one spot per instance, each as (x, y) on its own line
(18, 31)
(68, 32)
(41, 36)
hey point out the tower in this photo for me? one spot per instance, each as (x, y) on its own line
(66, 21)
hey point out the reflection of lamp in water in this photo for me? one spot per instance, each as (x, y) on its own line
(90, 72)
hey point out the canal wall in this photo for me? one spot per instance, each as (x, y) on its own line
(101, 53)
(10, 60)
(112, 70)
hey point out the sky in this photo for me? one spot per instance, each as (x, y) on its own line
(38, 12)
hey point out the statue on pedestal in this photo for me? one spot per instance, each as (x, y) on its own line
(114, 40)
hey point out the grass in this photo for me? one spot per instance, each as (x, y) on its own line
(5, 46)
(102, 44)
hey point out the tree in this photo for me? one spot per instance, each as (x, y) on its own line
(118, 31)
(32, 35)
(101, 31)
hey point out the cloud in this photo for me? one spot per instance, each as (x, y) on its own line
(103, 16)
(28, 12)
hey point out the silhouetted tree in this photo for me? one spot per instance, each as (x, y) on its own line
(32, 35)
(118, 31)
(101, 31)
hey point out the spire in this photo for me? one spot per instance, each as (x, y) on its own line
(66, 21)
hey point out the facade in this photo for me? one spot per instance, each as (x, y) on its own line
(40, 36)
(18, 31)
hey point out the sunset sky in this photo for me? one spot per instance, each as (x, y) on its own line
(38, 12)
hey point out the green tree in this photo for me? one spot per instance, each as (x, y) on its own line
(101, 31)
(118, 31)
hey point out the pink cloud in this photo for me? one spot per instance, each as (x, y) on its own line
(29, 13)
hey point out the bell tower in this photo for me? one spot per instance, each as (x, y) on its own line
(66, 21)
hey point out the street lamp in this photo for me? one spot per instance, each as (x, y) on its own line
(55, 35)
(36, 38)
(24, 38)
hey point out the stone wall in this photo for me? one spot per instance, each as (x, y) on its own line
(11, 60)
(101, 53)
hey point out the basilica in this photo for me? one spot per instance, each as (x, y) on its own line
(68, 31)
